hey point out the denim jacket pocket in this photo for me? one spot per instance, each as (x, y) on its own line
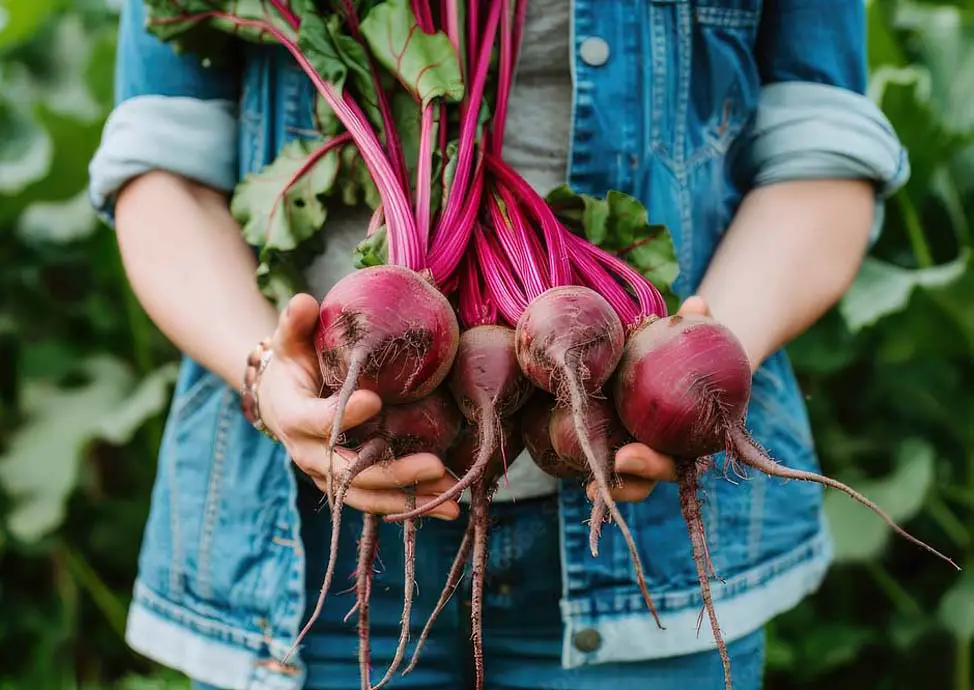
(710, 72)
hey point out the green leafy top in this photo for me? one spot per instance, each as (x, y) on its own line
(619, 223)
(425, 64)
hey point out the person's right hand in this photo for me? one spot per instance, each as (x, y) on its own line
(290, 407)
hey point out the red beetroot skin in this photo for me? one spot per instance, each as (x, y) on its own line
(486, 376)
(602, 424)
(463, 454)
(393, 325)
(570, 327)
(536, 432)
(429, 425)
(680, 381)
(487, 383)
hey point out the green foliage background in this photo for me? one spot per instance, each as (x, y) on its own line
(85, 378)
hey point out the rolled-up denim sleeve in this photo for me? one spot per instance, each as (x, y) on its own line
(171, 113)
(813, 119)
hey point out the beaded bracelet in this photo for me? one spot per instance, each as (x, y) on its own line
(257, 362)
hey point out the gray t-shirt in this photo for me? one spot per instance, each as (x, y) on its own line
(536, 142)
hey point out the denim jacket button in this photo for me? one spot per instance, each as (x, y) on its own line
(594, 51)
(587, 640)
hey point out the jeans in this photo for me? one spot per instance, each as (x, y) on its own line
(521, 621)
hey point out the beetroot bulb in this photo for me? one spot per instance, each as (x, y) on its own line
(489, 387)
(682, 388)
(428, 425)
(384, 329)
(536, 433)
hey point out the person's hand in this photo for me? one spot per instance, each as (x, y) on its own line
(291, 408)
(639, 467)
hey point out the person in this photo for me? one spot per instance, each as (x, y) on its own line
(743, 126)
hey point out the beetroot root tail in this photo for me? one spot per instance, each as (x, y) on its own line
(356, 364)
(595, 524)
(743, 447)
(409, 586)
(452, 582)
(368, 546)
(598, 464)
(490, 434)
(371, 452)
(478, 507)
(690, 507)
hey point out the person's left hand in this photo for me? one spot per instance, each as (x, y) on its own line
(639, 467)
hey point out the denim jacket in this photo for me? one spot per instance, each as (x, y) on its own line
(686, 104)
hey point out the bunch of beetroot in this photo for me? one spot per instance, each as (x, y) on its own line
(485, 319)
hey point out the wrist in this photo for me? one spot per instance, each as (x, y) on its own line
(257, 361)
(745, 329)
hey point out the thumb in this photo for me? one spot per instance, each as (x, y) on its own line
(314, 416)
(296, 326)
(695, 306)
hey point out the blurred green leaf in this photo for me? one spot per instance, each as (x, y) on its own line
(58, 221)
(19, 19)
(956, 610)
(832, 646)
(859, 534)
(882, 288)
(25, 148)
(148, 399)
(39, 468)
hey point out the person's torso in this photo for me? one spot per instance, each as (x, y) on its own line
(645, 97)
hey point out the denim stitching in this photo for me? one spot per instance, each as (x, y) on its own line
(758, 486)
(711, 513)
(213, 494)
(630, 67)
(176, 563)
(658, 43)
(727, 17)
(629, 599)
(573, 69)
(180, 614)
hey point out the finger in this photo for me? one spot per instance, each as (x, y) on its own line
(642, 461)
(631, 490)
(296, 326)
(387, 501)
(401, 472)
(695, 305)
(436, 486)
(314, 416)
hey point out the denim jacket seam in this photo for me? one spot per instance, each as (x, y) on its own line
(658, 43)
(625, 600)
(727, 17)
(711, 509)
(214, 493)
(759, 486)
(144, 596)
(176, 574)
(684, 21)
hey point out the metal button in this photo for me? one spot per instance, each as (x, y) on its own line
(587, 640)
(594, 51)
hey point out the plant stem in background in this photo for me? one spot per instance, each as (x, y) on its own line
(962, 666)
(918, 239)
(84, 575)
(904, 602)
